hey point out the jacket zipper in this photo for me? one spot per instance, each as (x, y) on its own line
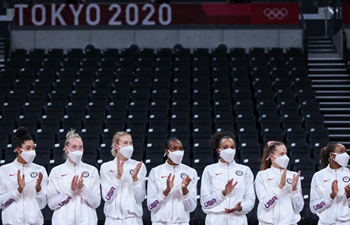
(24, 218)
(120, 199)
(172, 200)
(228, 178)
(75, 202)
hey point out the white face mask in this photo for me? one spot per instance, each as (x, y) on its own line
(176, 156)
(342, 159)
(126, 151)
(76, 155)
(28, 156)
(227, 154)
(282, 161)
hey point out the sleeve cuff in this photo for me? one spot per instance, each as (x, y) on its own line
(295, 193)
(70, 192)
(161, 196)
(187, 196)
(116, 182)
(136, 184)
(16, 194)
(221, 196)
(277, 191)
(328, 199)
(83, 190)
(242, 212)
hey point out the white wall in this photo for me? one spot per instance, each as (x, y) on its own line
(156, 38)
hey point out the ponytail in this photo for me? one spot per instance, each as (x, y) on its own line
(324, 153)
(270, 148)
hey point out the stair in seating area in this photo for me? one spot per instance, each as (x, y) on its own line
(2, 52)
(331, 82)
(321, 46)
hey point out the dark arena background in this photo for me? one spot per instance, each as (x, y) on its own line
(266, 70)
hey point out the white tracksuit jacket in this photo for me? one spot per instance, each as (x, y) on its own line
(22, 208)
(214, 179)
(73, 208)
(123, 198)
(330, 211)
(174, 208)
(276, 206)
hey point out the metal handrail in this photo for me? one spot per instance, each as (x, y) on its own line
(8, 40)
(345, 49)
(302, 25)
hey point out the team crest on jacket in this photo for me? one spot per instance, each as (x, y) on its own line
(85, 174)
(346, 179)
(239, 173)
(183, 175)
(33, 174)
(289, 180)
(132, 170)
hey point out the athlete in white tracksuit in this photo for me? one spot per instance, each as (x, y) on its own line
(23, 184)
(278, 189)
(172, 188)
(227, 190)
(214, 203)
(22, 208)
(123, 198)
(123, 184)
(73, 207)
(330, 187)
(277, 206)
(73, 191)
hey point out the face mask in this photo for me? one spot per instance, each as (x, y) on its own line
(126, 151)
(228, 154)
(282, 161)
(176, 156)
(342, 159)
(75, 156)
(28, 156)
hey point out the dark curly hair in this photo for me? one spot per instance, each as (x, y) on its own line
(21, 135)
(219, 136)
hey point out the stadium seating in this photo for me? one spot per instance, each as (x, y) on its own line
(259, 94)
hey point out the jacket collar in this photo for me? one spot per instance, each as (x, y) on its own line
(276, 170)
(224, 165)
(171, 167)
(126, 162)
(333, 171)
(20, 165)
(71, 165)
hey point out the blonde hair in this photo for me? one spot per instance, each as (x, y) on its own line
(71, 134)
(116, 139)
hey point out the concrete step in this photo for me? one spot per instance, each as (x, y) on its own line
(332, 87)
(318, 42)
(330, 76)
(323, 55)
(330, 64)
(338, 130)
(331, 98)
(332, 92)
(332, 81)
(322, 50)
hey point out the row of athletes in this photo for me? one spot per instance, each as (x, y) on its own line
(228, 190)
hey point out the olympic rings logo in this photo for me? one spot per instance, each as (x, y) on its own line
(275, 13)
